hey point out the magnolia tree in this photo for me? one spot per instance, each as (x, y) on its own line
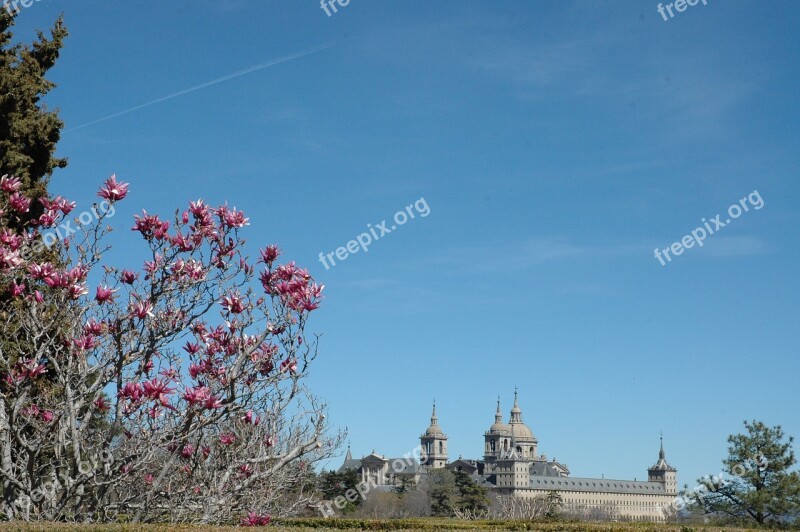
(172, 391)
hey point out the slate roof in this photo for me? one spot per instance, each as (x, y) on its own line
(596, 485)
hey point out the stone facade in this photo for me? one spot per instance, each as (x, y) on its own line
(511, 465)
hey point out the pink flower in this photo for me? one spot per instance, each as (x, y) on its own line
(113, 190)
(132, 391)
(187, 451)
(232, 218)
(246, 470)
(269, 254)
(58, 204)
(233, 303)
(150, 226)
(101, 404)
(10, 184)
(149, 478)
(92, 327)
(47, 416)
(19, 203)
(77, 290)
(157, 389)
(85, 342)
(253, 519)
(104, 295)
(227, 438)
(197, 395)
(48, 218)
(17, 289)
(141, 310)
(128, 277)
(250, 418)
(290, 364)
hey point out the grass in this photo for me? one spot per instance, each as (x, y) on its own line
(399, 525)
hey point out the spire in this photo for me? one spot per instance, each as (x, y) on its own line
(349, 455)
(662, 464)
(516, 412)
(498, 416)
(434, 419)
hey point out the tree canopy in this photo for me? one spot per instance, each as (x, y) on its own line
(757, 483)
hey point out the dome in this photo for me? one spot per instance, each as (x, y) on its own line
(498, 427)
(434, 429)
(521, 431)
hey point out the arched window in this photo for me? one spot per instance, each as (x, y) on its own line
(493, 449)
(441, 447)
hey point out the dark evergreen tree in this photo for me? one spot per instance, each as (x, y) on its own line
(29, 131)
(757, 484)
(471, 496)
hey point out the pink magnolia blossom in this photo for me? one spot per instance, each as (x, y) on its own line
(58, 204)
(253, 519)
(232, 218)
(10, 184)
(48, 218)
(157, 390)
(17, 289)
(246, 470)
(250, 418)
(101, 404)
(149, 478)
(141, 310)
(132, 391)
(227, 438)
(187, 451)
(104, 295)
(47, 416)
(150, 226)
(128, 277)
(197, 395)
(289, 364)
(19, 203)
(113, 190)
(93, 327)
(85, 342)
(269, 254)
(232, 302)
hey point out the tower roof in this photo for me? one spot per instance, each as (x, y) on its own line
(519, 430)
(662, 464)
(434, 429)
(498, 426)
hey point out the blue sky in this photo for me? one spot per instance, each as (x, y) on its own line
(556, 144)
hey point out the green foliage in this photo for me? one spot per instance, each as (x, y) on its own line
(471, 496)
(758, 485)
(333, 484)
(554, 505)
(449, 491)
(405, 485)
(28, 131)
(442, 491)
(434, 523)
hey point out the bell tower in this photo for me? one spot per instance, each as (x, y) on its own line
(433, 444)
(664, 473)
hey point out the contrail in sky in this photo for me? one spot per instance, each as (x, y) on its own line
(261, 66)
